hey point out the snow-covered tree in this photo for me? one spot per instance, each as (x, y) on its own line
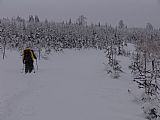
(81, 20)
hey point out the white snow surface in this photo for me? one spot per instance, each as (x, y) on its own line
(68, 86)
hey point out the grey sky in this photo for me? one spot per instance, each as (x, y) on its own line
(133, 12)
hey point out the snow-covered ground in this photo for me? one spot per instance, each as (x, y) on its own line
(68, 86)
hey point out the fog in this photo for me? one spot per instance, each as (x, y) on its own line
(132, 12)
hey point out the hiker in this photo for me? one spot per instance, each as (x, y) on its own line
(28, 57)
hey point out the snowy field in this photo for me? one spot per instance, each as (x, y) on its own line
(68, 86)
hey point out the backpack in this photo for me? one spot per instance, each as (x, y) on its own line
(27, 55)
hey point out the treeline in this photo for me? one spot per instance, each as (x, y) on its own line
(15, 33)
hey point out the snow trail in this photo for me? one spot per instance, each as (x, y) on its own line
(69, 86)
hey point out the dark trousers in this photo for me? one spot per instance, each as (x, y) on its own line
(29, 66)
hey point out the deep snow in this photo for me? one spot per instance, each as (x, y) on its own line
(68, 86)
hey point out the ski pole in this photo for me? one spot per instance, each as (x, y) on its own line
(34, 69)
(36, 64)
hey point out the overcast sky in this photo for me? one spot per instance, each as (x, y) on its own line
(133, 12)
